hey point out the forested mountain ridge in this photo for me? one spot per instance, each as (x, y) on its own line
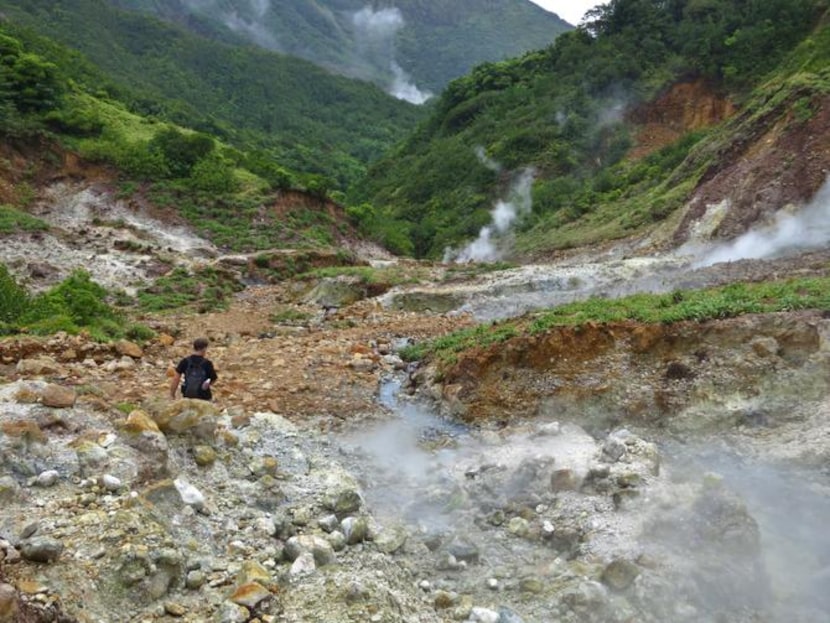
(295, 114)
(579, 113)
(409, 47)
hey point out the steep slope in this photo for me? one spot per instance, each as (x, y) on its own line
(305, 118)
(617, 123)
(409, 47)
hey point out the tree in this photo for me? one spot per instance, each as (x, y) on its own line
(181, 151)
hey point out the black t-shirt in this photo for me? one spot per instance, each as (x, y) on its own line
(207, 364)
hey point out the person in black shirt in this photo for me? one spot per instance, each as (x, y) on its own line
(195, 368)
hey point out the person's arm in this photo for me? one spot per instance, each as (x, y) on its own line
(174, 384)
(211, 373)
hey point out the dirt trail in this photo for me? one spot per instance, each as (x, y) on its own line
(328, 369)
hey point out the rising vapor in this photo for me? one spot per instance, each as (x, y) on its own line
(502, 218)
(375, 33)
(253, 28)
(804, 230)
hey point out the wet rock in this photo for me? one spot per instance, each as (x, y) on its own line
(329, 523)
(444, 600)
(41, 549)
(337, 540)
(355, 529)
(518, 526)
(548, 429)
(29, 530)
(252, 571)
(391, 539)
(506, 615)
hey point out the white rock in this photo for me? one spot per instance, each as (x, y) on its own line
(483, 615)
(190, 495)
(303, 565)
(47, 478)
(549, 429)
(110, 482)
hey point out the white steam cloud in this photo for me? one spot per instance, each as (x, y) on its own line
(800, 231)
(375, 32)
(383, 24)
(502, 218)
(238, 23)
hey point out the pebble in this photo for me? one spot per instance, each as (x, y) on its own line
(110, 482)
(48, 478)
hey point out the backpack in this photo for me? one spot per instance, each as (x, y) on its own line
(194, 376)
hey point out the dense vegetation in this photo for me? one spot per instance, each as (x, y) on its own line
(689, 305)
(278, 110)
(434, 41)
(562, 111)
(50, 94)
(76, 304)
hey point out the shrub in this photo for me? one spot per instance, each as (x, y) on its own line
(13, 297)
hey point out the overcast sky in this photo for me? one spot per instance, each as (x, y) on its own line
(569, 10)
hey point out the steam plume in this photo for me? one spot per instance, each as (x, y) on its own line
(802, 231)
(375, 33)
(502, 217)
(253, 28)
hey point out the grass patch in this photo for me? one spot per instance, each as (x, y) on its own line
(13, 221)
(690, 305)
(393, 275)
(205, 289)
(290, 316)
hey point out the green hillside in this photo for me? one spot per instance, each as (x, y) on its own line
(433, 41)
(298, 115)
(562, 111)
